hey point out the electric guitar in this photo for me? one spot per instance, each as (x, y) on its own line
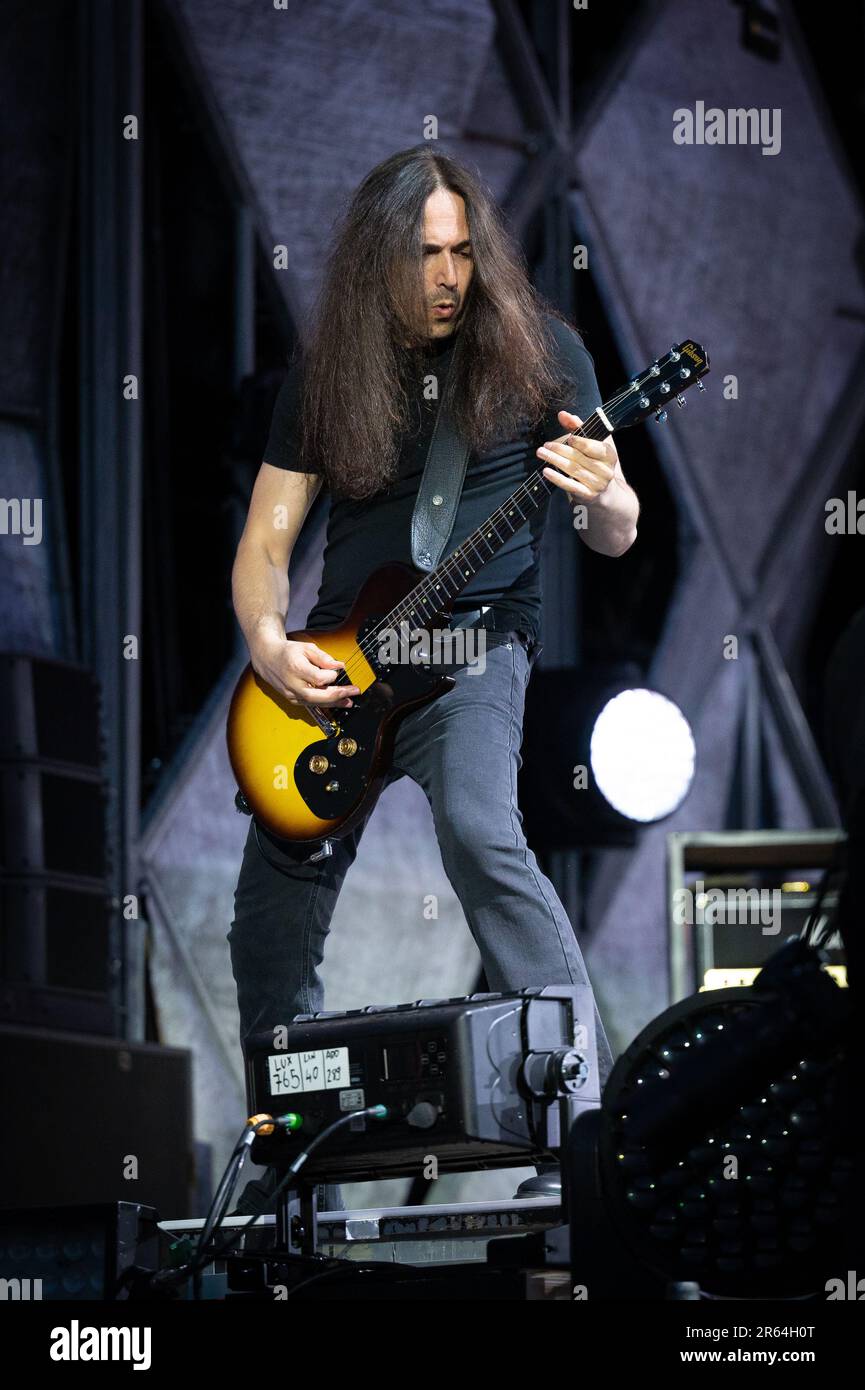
(312, 773)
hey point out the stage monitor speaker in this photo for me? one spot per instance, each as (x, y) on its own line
(94, 1120)
(56, 941)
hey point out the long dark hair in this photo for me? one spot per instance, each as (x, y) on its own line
(355, 401)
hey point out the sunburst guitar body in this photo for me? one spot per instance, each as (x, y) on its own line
(310, 773)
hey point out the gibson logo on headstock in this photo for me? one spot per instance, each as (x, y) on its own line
(690, 351)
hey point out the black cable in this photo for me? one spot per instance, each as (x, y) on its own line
(282, 868)
(204, 1256)
(371, 1110)
(223, 1192)
(216, 1214)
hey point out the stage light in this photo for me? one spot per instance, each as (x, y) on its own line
(642, 754)
(604, 756)
(724, 1148)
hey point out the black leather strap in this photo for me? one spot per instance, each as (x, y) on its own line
(440, 488)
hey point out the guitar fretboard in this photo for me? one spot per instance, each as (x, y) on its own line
(446, 582)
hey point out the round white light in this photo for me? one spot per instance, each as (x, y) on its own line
(642, 752)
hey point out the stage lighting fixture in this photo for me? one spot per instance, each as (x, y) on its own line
(476, 1080)
(604, 756)
(642, 755)
(724, 1156)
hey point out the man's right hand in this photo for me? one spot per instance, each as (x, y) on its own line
(301, 671)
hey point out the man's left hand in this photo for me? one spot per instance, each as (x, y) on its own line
(583, 467)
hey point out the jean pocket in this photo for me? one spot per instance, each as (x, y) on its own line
(522, 661)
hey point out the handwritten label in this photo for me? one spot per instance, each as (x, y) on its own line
(294, 1072)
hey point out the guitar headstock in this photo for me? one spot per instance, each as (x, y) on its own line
(653, 390)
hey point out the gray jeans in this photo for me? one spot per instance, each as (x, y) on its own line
(464, 751)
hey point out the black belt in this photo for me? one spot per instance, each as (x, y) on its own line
(492, 618)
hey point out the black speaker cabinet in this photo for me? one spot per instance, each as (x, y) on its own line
(56, 914)
(93, 1120)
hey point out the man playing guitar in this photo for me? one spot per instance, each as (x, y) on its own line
(422, 286)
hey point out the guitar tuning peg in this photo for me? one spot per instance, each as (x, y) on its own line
(661, 416)
(701, 386)
(680, 400)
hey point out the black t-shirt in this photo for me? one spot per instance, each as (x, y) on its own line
(363, 535)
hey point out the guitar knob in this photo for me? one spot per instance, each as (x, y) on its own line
(318, 763)
(347, 747)
(661, 416)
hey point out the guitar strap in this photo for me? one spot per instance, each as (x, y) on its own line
(440, 489)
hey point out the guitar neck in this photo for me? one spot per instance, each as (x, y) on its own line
(438, 590)
(647, 393)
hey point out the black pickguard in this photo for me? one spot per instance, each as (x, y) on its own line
(397, 685)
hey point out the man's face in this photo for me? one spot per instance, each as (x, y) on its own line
(447, 260)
